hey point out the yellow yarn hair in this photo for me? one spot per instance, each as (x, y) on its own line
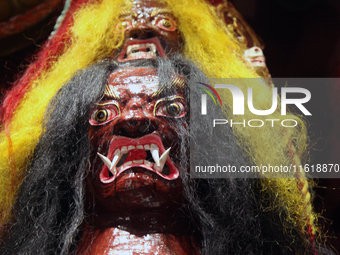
(207, 44)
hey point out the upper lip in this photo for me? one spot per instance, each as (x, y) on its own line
(121, 145)
(147, 48)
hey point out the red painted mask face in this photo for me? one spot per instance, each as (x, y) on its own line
(150, 30)
(135, 133)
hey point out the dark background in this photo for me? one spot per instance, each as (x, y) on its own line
(302, 39)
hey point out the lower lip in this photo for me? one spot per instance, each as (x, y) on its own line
(104, 174)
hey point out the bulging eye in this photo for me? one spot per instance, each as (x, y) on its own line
(123, 25)
(103, 114)
(173, 108)
(166, 24)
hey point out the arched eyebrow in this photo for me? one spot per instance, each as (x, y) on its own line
(177, 83)
(157, 11)
(125, 14)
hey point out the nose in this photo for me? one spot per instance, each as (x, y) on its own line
(135, 121)
(142, 30)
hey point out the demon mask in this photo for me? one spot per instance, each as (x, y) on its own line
(134, 133)
(150, 30)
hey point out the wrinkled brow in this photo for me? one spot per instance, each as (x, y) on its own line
(177, 83)
(110, 92)
(125, 14)
(158, 11)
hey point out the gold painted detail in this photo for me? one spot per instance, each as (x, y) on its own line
(177, 83)
(157, 11)
(109, 91)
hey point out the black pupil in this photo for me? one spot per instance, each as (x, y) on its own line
(101, 115)
(166, 23)
(173, 109)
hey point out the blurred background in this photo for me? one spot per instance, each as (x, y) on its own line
(302, 39)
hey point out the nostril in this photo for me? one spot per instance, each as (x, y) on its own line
(149, 35)
(135, 36)
(143, 128)
(142, 32)
(135, 128)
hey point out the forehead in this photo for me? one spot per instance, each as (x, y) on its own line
(134, 80)
(147, 8)
(140, 82)
(147, 4)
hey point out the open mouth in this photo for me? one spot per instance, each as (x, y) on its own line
(146, 153)
(141, 49)
(258, 61)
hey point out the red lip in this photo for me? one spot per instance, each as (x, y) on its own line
(120, 142)
(131, 42)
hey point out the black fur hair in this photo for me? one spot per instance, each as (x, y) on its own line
(49, 209)
(229, 212)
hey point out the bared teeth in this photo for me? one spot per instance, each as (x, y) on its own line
(138, 161)
(151, 47)
(162, 160)
(118, 154)
(147, 50)
(128, 50)
(107, 162)
(124, 150)
(164, 156)
(127, 163)
(116, 158)
(148, 163)
(155, 153)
